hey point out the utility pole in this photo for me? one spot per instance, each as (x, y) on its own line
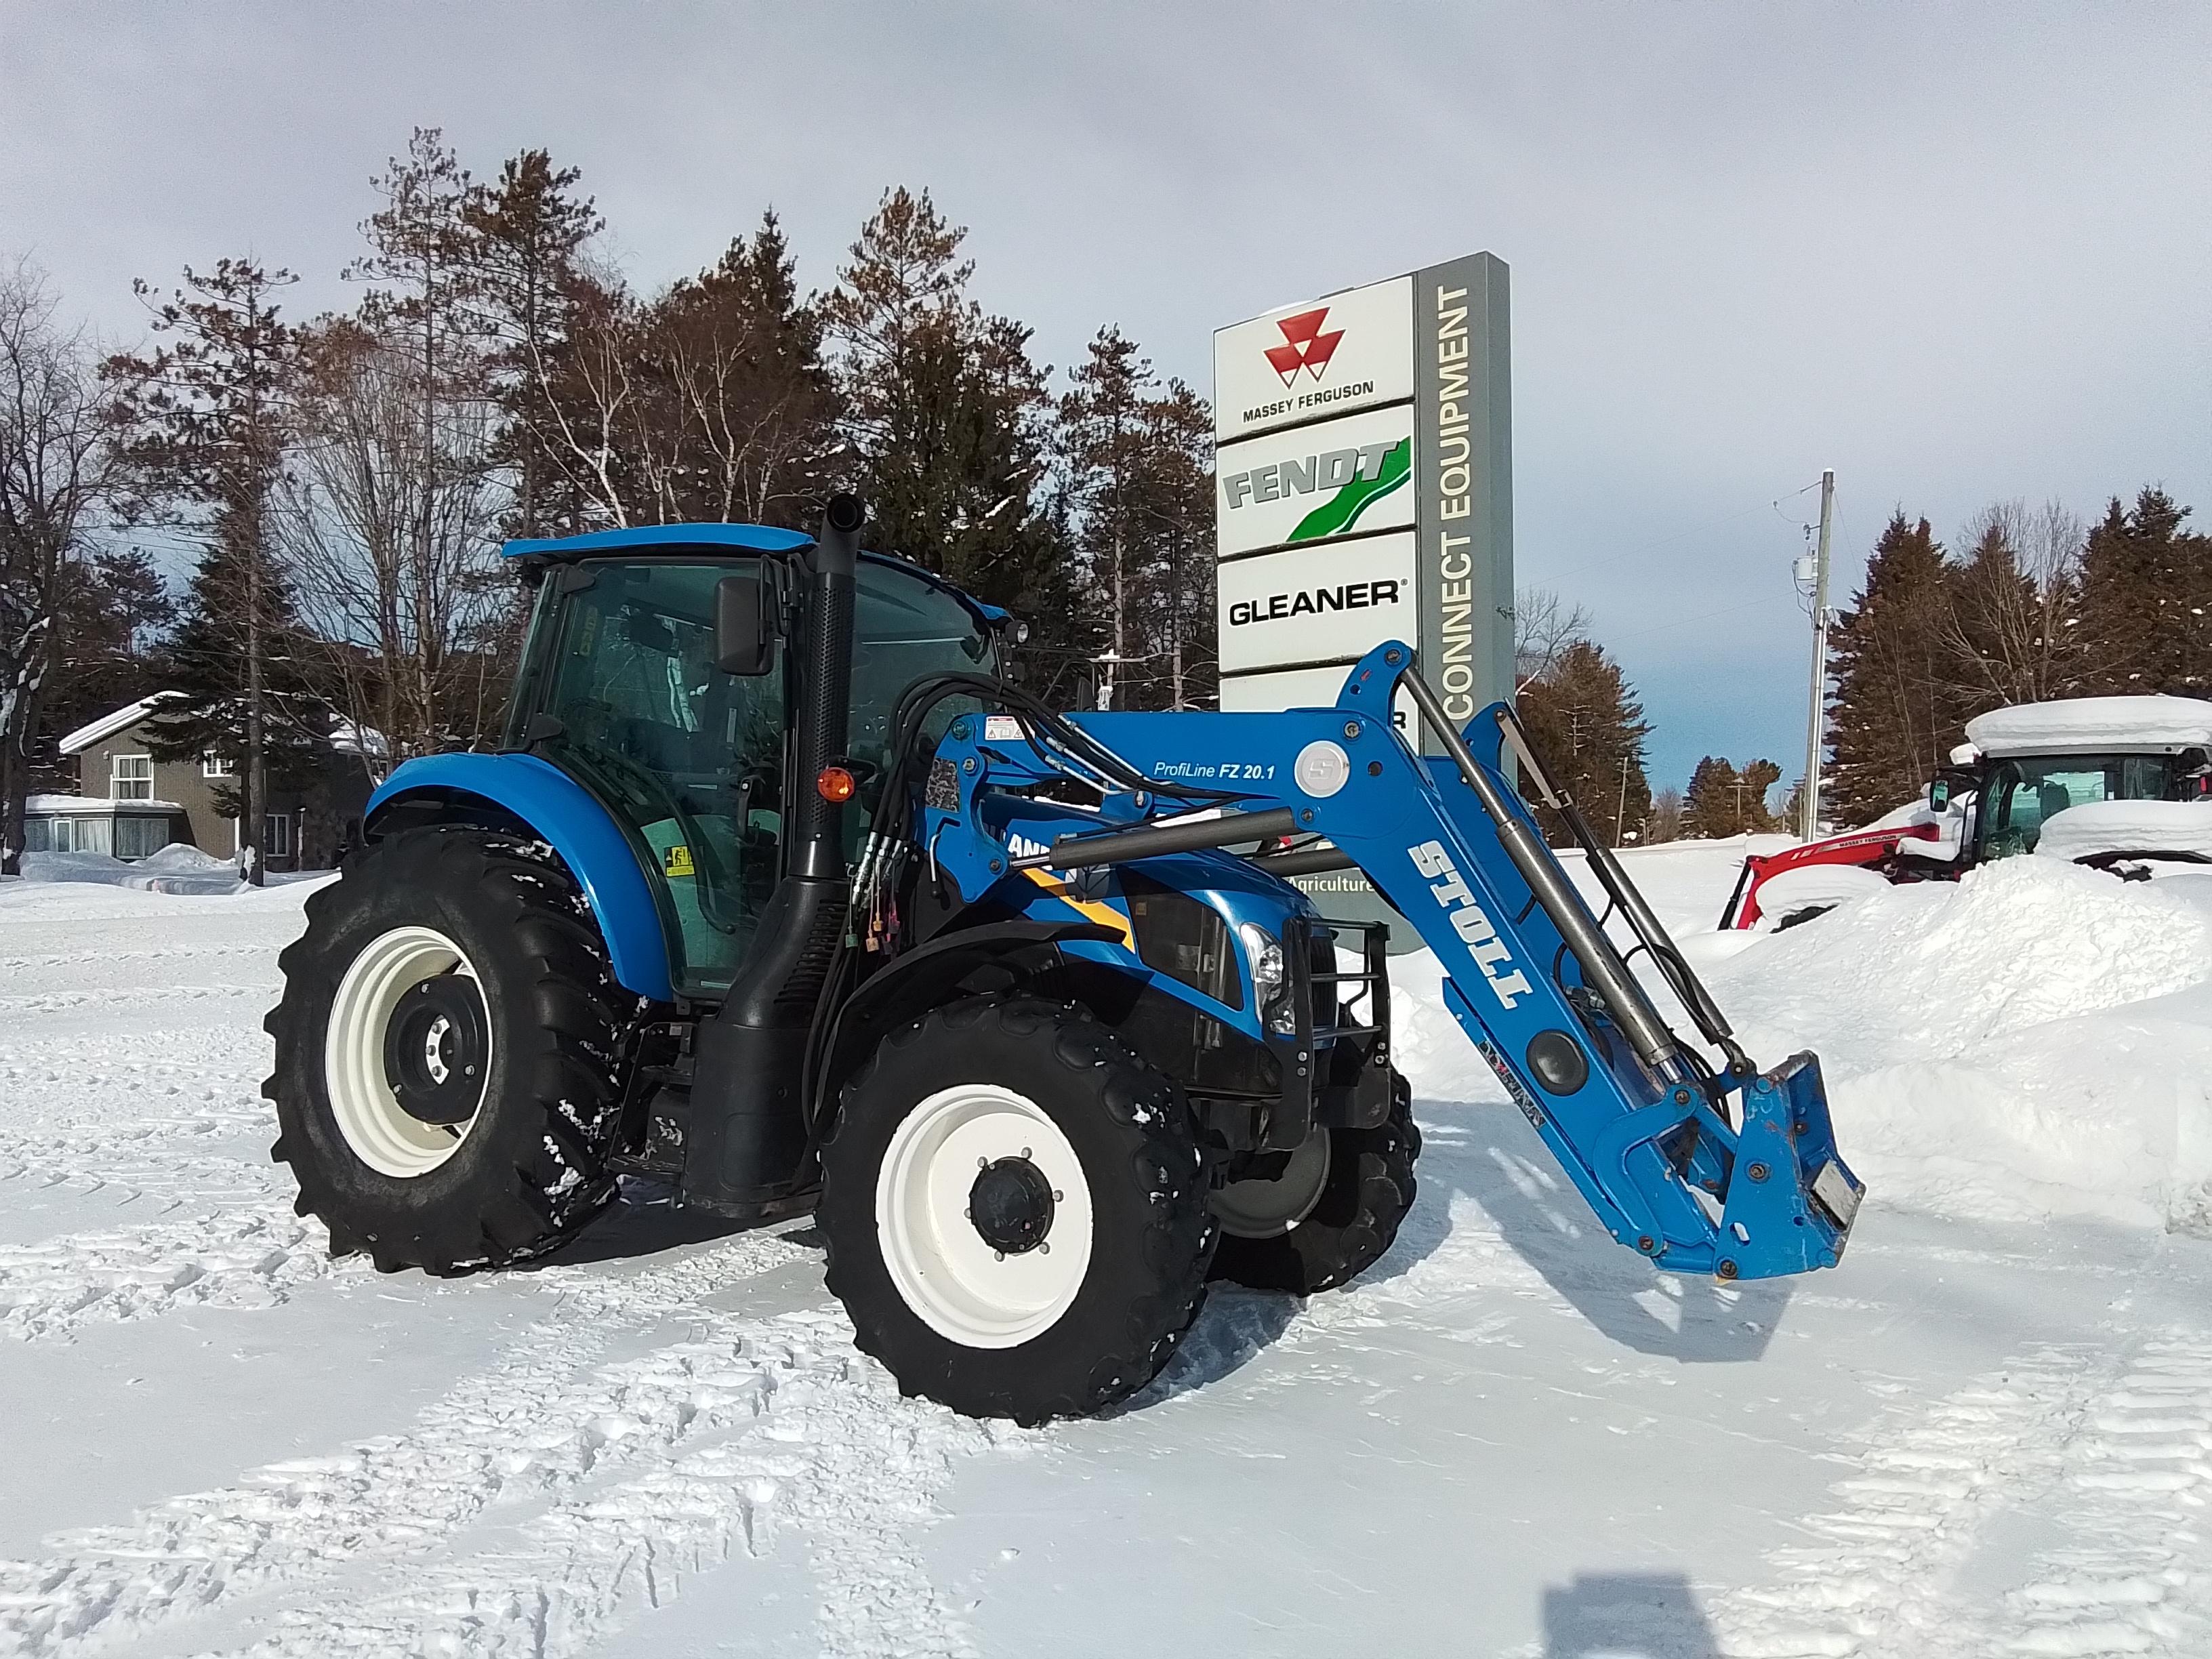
(1620, 812)
(1808, 805)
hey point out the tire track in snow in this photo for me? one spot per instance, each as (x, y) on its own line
(247, 1258)
(119, 999)
(817, 1443)
(121, 1107)
(533, 1426)
(46, 963)
(2137, 1578)
(1880, 1580)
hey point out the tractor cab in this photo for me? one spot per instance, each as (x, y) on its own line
(623, 690)
(2130, 775)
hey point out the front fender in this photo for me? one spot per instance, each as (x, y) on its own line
(575, 826)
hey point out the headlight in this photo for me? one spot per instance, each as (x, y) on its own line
(1265, 953)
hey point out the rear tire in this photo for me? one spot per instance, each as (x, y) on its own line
(1013, 1206)
(439, 955)
(1365, 1195)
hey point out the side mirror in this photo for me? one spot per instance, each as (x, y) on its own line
(743, 644)
(1939, 795)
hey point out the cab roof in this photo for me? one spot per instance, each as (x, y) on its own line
(2082, 725)
(750, 538)
(744, 538)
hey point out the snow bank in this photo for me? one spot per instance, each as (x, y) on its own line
(2032, 1041)
(175, 868)
(2129, 826)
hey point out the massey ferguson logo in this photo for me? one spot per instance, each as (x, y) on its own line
(1467, 919)
(1304, 346)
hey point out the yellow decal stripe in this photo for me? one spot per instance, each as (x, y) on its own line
(1090, 909)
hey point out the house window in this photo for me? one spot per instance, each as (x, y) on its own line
(130, 777)
(138, 837)
(215, 766)
(276, 835)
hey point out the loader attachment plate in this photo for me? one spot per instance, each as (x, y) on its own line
(1791, 1199)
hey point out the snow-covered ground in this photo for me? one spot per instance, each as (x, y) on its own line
(1988, 1432)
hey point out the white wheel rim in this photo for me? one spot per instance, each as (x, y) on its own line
(952, 1280)
(382, 1133)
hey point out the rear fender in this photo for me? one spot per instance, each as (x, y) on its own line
(507, 790)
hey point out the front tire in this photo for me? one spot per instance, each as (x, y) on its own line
(1341, 1231)
(1013, 1206)
(447, 1082)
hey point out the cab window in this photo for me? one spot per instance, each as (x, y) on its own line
(2022, 795)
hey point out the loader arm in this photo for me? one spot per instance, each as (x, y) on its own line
(1642, 1122)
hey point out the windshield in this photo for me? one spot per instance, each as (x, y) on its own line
(2021, 794)
(692, 760)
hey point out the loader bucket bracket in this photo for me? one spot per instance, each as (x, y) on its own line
(1791, 1201)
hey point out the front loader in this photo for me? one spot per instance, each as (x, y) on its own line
(785, 893)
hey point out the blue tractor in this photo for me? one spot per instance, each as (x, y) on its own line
(784, 891)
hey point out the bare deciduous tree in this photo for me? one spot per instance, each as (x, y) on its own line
(388, 521)
(2014, 603)
(56, 465)
(1544, 626)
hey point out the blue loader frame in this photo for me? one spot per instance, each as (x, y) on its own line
(1639, 1120)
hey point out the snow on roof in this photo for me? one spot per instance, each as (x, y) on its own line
(89, 804)
(2078, 724)
(350, 740)
(121, 720)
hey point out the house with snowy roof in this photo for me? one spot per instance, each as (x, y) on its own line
(130, 805)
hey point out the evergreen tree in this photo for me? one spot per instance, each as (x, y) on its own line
(206, 418)
(1758, 778)
(2146, 607)
(525, 237)
(734, 415)
(1713, 809)
(1589, 731)
(947, 416)
(1896, 712)
(112, 609)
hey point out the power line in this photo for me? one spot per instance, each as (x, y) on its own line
(1644, 549)
(1683, 622)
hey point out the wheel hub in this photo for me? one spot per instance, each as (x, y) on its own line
(1269, 1206)
(435, 1049)
(1011, 1205)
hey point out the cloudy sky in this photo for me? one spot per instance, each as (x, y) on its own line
(1959, 253)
